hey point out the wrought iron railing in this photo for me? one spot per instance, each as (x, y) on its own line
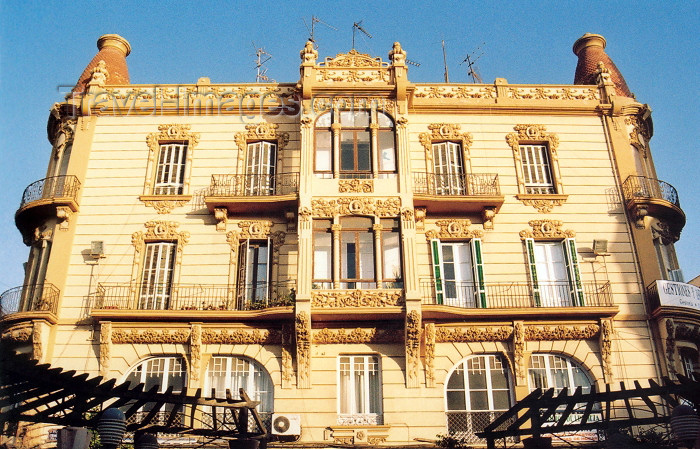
(254, 185)
(643, 187)
(470, 184)
(196, 297)
(510, 295)
(29, 298)
(53, 187)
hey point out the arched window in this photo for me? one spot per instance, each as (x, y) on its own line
(233, 373)
(477, 391)
(169, 371)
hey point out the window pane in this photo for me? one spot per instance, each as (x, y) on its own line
(354, 119)
(324, 120)
(364, 162)
(501, 400)
(387, 153)
(322, 255)
(323, 151)
(455, 400)
(347, 151)
(384, 120)
(366, 256)
(392, 255)
(478, 400)
(456, 379)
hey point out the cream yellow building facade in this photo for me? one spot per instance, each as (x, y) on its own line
(377, 260)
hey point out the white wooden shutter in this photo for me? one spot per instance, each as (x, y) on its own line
(478, 268)
(437, 270)
(531, 261)
(575, 285)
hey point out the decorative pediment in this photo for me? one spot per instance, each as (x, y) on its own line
(454, 229)
(353, 59)
(445, 131)
(390, 207)
(261, 131)
(172, 132)
(546, 230)
(532, 133)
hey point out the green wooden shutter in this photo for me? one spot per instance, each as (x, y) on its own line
(575, 285)
(478, 267)
(530, 245)
(437, 270)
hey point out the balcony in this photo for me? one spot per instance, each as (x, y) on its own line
(516, 299)
(43, 198)
(206, 302)
(673, 299)
(456, 193)
(252, 193)
(649, 196)
(29, 301)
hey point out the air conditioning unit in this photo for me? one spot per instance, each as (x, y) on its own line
(286, 424)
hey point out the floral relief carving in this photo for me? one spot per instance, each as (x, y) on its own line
(327, 299)
(358, 335)
(430, 355)
(413, 337)
(688, 333)
(160, 230)
(472, 334)
(287, 365)
(355, 186)
(260, 131)
(195, 351)
(353, 58)
(390, 207)
(163, 336)
(606, 334)
(20, 334)
(221, 216)
(163, 206)
(671, 346)
(445, 131)
(539, 93)
(454, 229)
(240, 336)
(546, 229)
(105, 347)
(458, 92)
(543, 205)
(303, 337)
(37, 347)
(254, 229)
(561, 332)
(519, 352)
(325, 104)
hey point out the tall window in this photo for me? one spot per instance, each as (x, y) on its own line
(233, 373)
(369, 256)
(689, 360)
(448, 168)
(157, 275)
(358, 146)
(666, 257)
(458, 272)
(537, 171)
(166, 372)
(359, 390)
(554, 273)
(253, 273)
(261, 160)
(170, 173)
(478, 390)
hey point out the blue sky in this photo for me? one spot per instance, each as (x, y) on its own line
(45, 45)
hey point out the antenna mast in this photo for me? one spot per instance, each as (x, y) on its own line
(444, 59)
(471, 67)
(358, 26)
(261, 58)
(312, 31)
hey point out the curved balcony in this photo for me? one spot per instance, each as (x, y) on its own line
(673, 299)
(252, 193)
(184, 301)
(457, 193)
(34, 301)
(649, 196)
(43, 198)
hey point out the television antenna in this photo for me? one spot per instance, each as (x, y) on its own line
(358, 26)
(413, 63)
(312, 30)
(261, 57)
(471, 67)
(444, 60)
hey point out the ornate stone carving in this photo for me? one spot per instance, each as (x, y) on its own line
(606, 335)
(397, 55)
(519, 352)
(358, 67)
(540, 93)
(671, 347)
(445, 131)
(261, 131)
(413, 338)
(457, 92)
(472, 334)
(421, 213)
(546, 229)
(358, 335)
(407, 215)
(325, 104)
(37, 346)
(430, 355)
(543, 205)
(355, 186)
(305, 214)
(390, 207)
(105, 347)
(162, 336)
(487, 216)
(327, 299)
(561, 332)
(99, 75)
(688, 333)
(160, 230)
(19, 334)
(254, 229)
(221, 216)
(162, 205)
(454, 229)
(63, 214)
(303, 336)
(195, 350)
(667, 234)
(287, 346)
(241, 336)
(353, 59)
(308, 54)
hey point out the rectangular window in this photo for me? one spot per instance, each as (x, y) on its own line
(156, 279)
(448, 169)
(359, 390)
(459, 274)
(170, 175)
(537, 171)
(253, 274)
(554, 273)
(357, 253)
(324, 153)
(260, 168)
(323, 254)
(391, 253)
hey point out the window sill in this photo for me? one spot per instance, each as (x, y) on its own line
(164, 204)
(543, 202)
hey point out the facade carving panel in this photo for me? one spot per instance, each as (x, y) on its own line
(390, 207)
(546, 229)
(327, 299)
(562, 332)
(468, 334)
(162, 336)
(241, 336)
(454, 229)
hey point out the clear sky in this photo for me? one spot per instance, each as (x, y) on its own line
(46, 45)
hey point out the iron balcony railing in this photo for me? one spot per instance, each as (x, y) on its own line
(254, 185)
(29, 298)
(642, 187)
(470, 184)
(196, 297)
(512, 295)
(49, 188)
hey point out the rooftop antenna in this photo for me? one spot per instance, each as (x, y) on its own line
(358, 26)
(444, 59)
(261, 57)
(312, 30)
(471, 67)
(414, 63)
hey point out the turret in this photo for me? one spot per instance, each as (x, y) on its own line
(590, 49)
(109, 64)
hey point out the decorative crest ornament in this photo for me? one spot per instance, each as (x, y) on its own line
(353, 59)
(99, 75)
(454, 229)
(390, 207)
(308, 54)
(546, 230)
(355, 186)
(260, 131)
(397, 55)
(329, 299)
(445, 131)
